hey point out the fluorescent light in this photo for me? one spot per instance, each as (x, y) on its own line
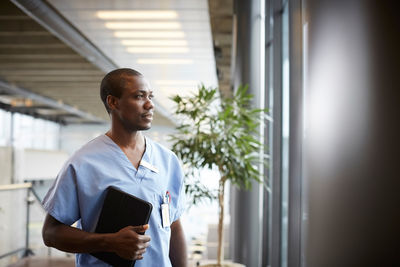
(165, 61)
(20, 102)
(176, 82)
(137, 14)
(154, 42)
(157, 50)
(144, 25)
(149, 34)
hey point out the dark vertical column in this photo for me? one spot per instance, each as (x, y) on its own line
(246, 206)
(295, 134)
(272, 197)
(352, 133)
(275, 68)
(276, 143)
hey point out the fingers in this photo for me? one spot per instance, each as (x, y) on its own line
(140, 229)
(139, 257)
(135, 233)
(135, 254)
(139, 254)
(142, 248)
(130, 244)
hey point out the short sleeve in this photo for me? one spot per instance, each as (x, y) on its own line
(61, 200)
(181, 199)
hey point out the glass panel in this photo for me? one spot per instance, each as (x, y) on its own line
(5, 128)
(13, 222)
(30, 132)
(285, 133)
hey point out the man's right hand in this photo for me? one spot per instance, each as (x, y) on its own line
(130, 242)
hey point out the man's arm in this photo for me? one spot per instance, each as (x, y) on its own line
(177, 244)
(127, 243)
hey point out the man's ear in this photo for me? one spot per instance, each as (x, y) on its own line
(112, 102)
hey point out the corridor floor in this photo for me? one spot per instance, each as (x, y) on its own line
(44, 262)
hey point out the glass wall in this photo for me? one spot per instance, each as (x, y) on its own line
(285, 133)
(5, 128)
(283, 90)
(24, 131)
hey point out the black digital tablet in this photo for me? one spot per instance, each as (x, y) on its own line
(119, 210)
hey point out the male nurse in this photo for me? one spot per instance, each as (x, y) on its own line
(126, 159)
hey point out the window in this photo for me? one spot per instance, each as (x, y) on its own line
(35, 133)
(5, 129)
(285, 135)
(24, 131)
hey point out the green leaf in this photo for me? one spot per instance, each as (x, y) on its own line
(218, 132)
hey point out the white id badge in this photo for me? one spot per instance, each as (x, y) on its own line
(165, 215)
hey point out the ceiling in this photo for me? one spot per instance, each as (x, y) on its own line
(221, 20)
(53, 54)
(35, 63)
(174, 63)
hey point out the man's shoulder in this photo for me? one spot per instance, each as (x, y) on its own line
(95, 146)
(158, 148)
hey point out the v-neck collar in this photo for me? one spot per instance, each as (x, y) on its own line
(128, 163)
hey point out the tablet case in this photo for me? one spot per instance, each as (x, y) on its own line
(120, 209)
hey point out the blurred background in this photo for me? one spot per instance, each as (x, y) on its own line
(326, 70)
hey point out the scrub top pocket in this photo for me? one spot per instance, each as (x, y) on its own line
(159, 201)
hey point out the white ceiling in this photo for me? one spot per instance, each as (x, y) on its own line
(192, 61)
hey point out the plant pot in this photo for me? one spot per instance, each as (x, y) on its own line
(224, 264)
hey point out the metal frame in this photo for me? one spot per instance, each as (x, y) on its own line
(4, 86)
(295, 134)
(50, 19)
(47, 16)
(29, 201)
(248, 69)
(268, 193)
(275, 200)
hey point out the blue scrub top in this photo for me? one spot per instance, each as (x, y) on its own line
(78, 192)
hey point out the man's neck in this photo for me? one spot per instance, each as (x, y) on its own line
(133, 145)
(134, 140)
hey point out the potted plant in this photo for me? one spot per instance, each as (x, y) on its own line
(218, 133)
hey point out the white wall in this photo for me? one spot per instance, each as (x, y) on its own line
(72, 137)
(5, 165)
(40, 164)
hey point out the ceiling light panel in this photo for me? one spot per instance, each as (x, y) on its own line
(143, 25)
(149, 34)
(156, 50)
(190, 29)
(158, 42)
(137, 14)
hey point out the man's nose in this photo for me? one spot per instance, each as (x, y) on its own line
(149, 104)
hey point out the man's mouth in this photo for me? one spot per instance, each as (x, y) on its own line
(148, 115)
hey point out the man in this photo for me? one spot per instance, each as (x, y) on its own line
(123, 158)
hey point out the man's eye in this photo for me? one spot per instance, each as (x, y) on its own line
(138, 96)
(151, 96)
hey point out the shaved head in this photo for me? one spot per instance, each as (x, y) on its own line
(114, 82)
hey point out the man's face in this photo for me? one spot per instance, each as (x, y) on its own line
(135, 107)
